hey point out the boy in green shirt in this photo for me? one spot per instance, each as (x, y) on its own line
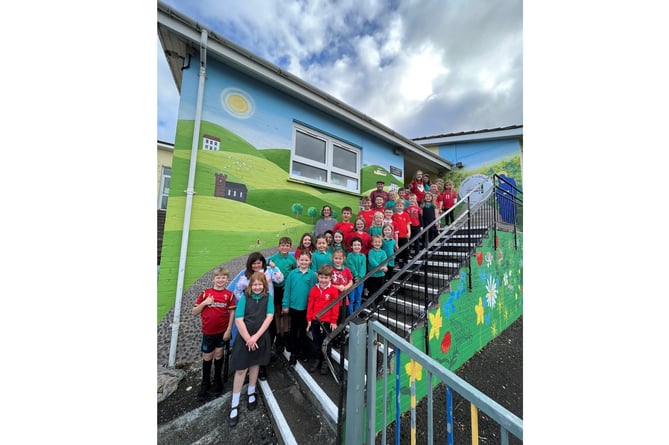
(295, 298)
(286, 263)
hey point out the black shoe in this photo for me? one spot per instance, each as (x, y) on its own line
(314, 366)
(203, 393)
(217, 388)
(262, 375)
(232, 421)
(253, 405)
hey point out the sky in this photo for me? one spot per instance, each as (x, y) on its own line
(421, 67)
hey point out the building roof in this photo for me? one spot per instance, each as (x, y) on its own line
(488, 134)
(181, 37)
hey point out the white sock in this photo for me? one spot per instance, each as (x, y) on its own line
(235, 399)
(251, 390)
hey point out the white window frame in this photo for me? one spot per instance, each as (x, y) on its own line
(166, 174)
(328, 165)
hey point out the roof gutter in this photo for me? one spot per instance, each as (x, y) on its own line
(190, 191)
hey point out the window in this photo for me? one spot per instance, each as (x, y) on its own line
(323, 160)
(164, 188)
(210, 143)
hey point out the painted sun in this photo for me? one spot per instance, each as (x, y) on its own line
(237, 103)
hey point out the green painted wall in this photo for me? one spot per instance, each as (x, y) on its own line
(465, 320)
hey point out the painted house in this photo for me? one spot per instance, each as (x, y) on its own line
(285, 145)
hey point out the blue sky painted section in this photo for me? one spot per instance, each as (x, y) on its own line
(476, 154)
(270, 125)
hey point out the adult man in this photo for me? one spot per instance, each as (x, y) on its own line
(379, 192)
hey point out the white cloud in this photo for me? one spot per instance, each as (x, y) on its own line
(421, 67)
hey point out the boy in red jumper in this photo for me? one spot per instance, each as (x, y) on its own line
(320, 296)
(215, 305)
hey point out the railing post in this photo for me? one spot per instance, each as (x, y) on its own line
(425, 296)
(355, 394)
(469, 240)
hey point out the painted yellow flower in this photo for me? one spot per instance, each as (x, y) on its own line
(435, 323)
(414, 370)
(479, 312)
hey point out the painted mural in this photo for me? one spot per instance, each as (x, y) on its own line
(244, 200)
(465, 321)
(487, 158)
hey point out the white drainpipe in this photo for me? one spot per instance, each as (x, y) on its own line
(189, 200)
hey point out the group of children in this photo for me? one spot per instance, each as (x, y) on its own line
(276, 300)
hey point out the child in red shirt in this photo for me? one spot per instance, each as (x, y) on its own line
(367, 213)
(320, 296)
(345, 225)
(402, 223)
(215, 306)
(416, 213)
(361, 232)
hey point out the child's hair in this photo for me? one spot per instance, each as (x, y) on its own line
(325, 269)
(301, 245)
(449, 182)
(253, 257)
(412, 195)
(343, 209)
(257, 276)
(326, 234)
(356, 238)
(392, 229)
(430, 194)
(377, 237)
(339, 252)
(285, 240)
(305, 252)
(364, 223)
(375, 214)
(341, 232)
(323, 238)
(399, 202)
(220, 270)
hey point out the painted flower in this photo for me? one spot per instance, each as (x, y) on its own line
(500, 257)
(496, 242)
(491, 288)
(414, 370)
(446, 342)
(435, 323)
(488, 259)
(479, 258)
(449, 307)
(505, 278)
(479, 312)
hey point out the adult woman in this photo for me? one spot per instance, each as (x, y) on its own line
(326, 222)
(417, 186)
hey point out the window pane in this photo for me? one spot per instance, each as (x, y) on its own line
(310, 147)
(344, 181)
(307, 171)
(344, 159)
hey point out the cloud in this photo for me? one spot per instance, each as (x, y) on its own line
(420, 67)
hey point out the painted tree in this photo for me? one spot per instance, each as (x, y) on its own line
(297, 209)
(312, 211)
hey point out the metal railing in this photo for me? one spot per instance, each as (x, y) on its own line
(366, 339)
(437, 257)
